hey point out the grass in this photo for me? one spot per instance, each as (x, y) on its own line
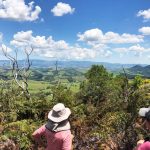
(37, 86)
(44, 86)
(75, 87)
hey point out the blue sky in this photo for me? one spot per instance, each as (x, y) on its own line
(116, 31)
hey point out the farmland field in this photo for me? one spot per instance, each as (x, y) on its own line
(44, 86)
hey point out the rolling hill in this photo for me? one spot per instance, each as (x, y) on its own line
(144, 71)
(68, 64)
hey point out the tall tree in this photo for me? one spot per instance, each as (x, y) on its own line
(95, 89)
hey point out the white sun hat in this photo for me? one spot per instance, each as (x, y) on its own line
(143, 111)
(59, 113)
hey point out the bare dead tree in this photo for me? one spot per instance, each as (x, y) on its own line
(20, 73)
(56, 66)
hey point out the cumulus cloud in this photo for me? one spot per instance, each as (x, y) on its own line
(145, 30)
(91, 36)
(75, 53)
(48, 47)
(26, 38)
(5, 48)
(121, 50)
(22, 39)
(62, 9)
(95, 36)
(145, 14)
(136, 49)
(18, 10)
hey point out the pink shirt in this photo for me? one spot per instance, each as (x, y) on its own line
(55, 140)
(144, 146)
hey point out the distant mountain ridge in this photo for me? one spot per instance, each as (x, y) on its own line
(41, 68)
(139, 70)
(69, 64)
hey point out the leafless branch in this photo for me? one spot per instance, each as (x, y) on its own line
(20, 74)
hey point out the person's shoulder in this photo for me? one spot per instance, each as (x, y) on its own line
(65, 133)
(145, 145)
(41, 129)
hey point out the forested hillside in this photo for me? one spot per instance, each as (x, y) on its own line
(143, 71)
(68, 64)
(104, 107)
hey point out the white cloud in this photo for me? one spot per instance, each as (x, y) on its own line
(61, 9)
(22, 39)
(111, 37)
(96, 36)
(5, 48)
(1, 37)
(26, 38)
(145, 14)
(91, 36)
(145, 30)
(107, 54)
(121, 50)
(75, 53)
(136, 49)
(148, 56)
(48, 47)
(18, 10)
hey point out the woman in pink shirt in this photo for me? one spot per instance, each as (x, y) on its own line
(57, 130)
(145, 144)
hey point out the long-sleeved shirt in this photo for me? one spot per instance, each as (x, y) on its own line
(55, 140)
(144, 146)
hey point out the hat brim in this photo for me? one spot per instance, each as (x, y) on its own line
(59, 119)
(60, 127)
(143, 111)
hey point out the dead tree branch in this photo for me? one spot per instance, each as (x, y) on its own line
(20, 74)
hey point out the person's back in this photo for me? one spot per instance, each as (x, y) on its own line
(59, 140)
(55, 140)
(144, 144)
(57, 130)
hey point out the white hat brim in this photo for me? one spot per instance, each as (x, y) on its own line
(59, 119)
(143, 111)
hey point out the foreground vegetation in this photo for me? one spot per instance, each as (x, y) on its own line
(104, 108)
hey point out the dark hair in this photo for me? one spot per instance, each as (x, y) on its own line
(147, 116)
(147, 139)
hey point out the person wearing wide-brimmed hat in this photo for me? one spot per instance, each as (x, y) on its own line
(56, 130)
(144, 144)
